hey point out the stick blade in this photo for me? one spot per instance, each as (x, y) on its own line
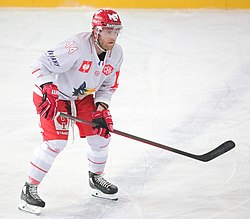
(223, 148)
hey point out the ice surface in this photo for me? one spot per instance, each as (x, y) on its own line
(185, 82)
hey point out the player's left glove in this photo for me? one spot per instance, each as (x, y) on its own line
(104, 122)
(48, 106)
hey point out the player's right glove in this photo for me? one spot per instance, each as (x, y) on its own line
(48, 106)
(104, 122)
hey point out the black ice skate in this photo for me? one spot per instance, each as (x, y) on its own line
(30, 200)
(102, 188)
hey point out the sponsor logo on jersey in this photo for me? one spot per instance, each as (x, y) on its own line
(85, 67)
(52, 58)
(71, 47)
(107, 69)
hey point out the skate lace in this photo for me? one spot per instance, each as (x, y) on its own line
(102, 181)
(33, 192)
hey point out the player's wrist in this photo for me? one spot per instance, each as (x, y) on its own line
(47, 83)
(100, 106)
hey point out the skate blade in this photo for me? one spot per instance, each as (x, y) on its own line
(97, 193)
(23, 206)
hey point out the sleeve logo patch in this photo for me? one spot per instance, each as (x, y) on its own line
(52, 58)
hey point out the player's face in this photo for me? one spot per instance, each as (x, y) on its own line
(107, 37)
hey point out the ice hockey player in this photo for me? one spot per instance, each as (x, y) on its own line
(77, 77)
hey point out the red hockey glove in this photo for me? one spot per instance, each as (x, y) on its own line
(104, 121)
(48, 106)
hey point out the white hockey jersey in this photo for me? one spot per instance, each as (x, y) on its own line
(75, 68)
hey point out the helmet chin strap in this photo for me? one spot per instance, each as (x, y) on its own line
(99, 46)
(97, 43)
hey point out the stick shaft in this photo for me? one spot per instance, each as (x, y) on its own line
(223, 148)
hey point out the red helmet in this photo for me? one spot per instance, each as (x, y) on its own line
(106, 18)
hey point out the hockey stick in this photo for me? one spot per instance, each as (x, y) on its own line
(223, 148)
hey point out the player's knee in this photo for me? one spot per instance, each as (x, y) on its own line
(53, 147)
(98, 143)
